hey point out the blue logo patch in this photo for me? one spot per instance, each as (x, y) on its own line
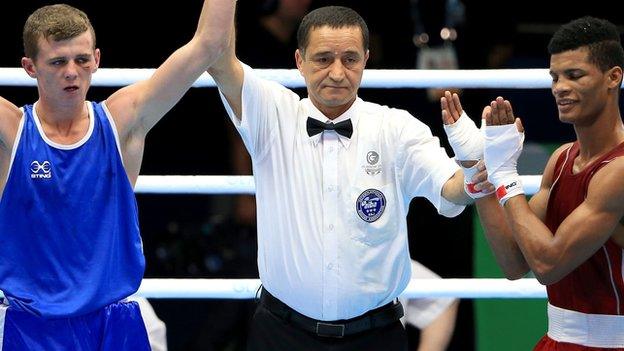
(370, 205)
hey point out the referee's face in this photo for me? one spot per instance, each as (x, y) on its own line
(332, 66)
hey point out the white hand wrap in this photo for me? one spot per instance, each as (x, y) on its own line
(465, 139)
(503, 146)
(469, 186)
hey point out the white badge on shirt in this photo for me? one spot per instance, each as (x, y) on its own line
(374, 166)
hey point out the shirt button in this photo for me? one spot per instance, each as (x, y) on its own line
(330, 266)
(330, 189)
(331, 149)
(330, 227)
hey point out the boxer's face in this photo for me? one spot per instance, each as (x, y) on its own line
(64, 68)
(580, 88)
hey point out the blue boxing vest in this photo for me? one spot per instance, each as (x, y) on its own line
(69, 232)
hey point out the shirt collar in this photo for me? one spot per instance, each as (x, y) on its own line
(351, 113)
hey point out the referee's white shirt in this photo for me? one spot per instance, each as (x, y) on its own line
(322, 251)
(421, 312)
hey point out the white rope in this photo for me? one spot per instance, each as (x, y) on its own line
(535, 78)
(237, 184)
(176, 184)
(475, 288)
(478, 288)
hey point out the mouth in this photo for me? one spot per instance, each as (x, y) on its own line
(334, 87)
(71, 89)
(565, 105)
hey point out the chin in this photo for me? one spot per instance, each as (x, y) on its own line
(567, 118)
(338, 101)
(563, 118)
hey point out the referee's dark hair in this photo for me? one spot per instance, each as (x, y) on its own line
(333, 17)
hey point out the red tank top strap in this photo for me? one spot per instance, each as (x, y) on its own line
(568, 154)
(616, 152)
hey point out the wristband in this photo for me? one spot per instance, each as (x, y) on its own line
(508, 189)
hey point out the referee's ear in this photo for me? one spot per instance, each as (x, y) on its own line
(299, 58)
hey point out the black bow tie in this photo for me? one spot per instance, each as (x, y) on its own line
(344, 128)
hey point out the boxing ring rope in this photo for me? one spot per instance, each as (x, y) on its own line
(176, 184)
(474, 288)
(247, 288)
(535, 78)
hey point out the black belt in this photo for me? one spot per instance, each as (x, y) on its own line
(377, 318)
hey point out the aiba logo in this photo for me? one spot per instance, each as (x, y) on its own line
(370, 205)
(41, 170)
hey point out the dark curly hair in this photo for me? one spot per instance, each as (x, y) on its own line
(600, 36)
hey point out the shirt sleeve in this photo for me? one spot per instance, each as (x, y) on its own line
(425, 166)
(423, 311)
(259, 116)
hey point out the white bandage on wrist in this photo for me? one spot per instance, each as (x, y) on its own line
(469, 186)
(503, 146)
(508, 188)
(465, 139)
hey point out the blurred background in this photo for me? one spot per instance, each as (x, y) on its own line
(210, 236)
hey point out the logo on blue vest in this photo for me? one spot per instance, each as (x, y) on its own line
(370, 205)
(40, 170)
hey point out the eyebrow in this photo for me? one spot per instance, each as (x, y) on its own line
(568, 71)
(322, 53)
(573, 70)
(66, 57)
(352, 52)
(329, 52)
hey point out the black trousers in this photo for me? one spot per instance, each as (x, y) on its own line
(271, 333)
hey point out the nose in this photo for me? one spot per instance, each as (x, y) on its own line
(560, 88)
(337, 71)
(71, 71)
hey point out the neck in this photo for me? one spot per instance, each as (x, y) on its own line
(60, 119)
(333, 112)
(601, 136)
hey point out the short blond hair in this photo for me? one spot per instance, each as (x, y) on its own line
(57, 22)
